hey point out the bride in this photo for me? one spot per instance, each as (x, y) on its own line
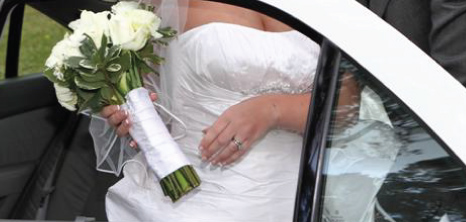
(241, 82)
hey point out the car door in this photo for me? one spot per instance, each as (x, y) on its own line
(42, 144)
(384, 138)
(30, 118)
(375, 160)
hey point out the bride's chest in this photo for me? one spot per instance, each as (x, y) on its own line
(250, 61)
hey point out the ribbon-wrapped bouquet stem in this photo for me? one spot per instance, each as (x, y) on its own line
(101, 63)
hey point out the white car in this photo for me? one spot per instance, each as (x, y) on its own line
(385, 138)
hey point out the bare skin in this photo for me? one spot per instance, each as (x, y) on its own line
(247, 121)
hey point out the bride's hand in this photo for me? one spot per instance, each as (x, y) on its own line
(118, 118)
(238, 128)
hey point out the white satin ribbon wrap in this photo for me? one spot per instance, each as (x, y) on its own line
(148, 130)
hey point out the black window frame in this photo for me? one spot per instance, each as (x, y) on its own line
(14, 10)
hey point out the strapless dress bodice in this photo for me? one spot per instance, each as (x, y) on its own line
(247, 60)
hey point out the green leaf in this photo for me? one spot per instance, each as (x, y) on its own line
(123, 85)
(48, 73)
(88, 64)
(73, 61)
(115, 77)
(113, 52)
(92, 77)
(160, 42)
(103, 51)
(148, 49)
(68, 77)
(114, 67)
(146, 69)
(89, 43)
(88, 47)
(107, 95)
(155, 59)
(100, 57)
(85, 94)
(94, 103)
(167, 32)
(124, 60)
(81, 83)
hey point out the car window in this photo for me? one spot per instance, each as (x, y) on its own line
(39, 35)
(3, 44)
(381, 163)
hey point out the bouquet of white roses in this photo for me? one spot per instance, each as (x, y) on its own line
(101, 63)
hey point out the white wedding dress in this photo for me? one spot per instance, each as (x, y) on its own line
(212, 67)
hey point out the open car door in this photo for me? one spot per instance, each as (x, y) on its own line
(47, 160)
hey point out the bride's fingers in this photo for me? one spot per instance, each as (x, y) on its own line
(229, 151)
(153, 96)
(107, 111)
(133, 144)
(123, 128)
(117, 118)
(210, 137)
(220, 142)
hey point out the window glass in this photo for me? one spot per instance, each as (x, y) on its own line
(39, 35)
(381, 164)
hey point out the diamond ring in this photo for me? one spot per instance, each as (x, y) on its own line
(239, 144)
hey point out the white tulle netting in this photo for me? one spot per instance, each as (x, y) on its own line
(112, 152)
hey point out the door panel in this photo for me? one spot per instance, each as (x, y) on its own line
(30, 118)
(26, 93)
(35, 131)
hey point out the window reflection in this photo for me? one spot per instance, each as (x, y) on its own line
(381, 164)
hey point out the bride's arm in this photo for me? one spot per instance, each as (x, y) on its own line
(249, 121)
(292, 111)
(236, 130)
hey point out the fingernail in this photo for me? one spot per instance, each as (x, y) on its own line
(126, 113)
(118, 107)
(127, 122)
(204, 158)
(132, 144)
(201, 148)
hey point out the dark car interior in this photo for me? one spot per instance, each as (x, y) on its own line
(47, 160)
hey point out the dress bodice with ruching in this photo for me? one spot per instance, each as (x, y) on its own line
(210, 68)
(250, 61)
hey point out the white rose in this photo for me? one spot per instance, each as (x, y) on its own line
(68, 47)
(72, 45)
(56, 58)
(124, 6)
(65, 97)
(132, 28)
(93, 24)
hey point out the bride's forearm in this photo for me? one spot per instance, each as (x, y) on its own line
(291, 111)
